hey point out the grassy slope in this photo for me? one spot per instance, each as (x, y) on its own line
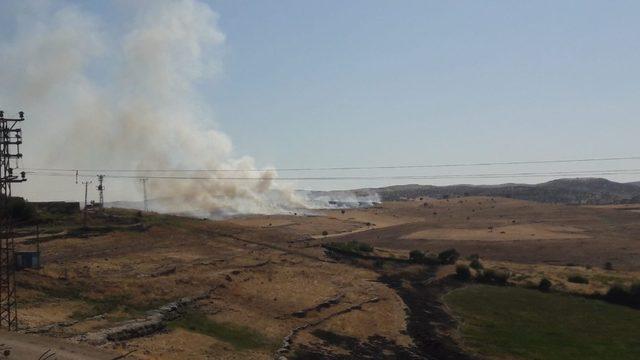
(506, 322)
(239, 336)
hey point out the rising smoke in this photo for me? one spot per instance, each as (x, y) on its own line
(99, 95)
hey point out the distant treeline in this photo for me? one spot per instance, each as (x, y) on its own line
(18, 209)
(23, 211)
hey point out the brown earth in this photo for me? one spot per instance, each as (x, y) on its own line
(512, 230)
(260, 270)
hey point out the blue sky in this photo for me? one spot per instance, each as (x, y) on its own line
(340, 83)
(386, 82)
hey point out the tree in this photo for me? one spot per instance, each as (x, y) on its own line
(416, 256)
(449, 256)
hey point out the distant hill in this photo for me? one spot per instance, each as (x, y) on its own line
(637, 183)
(569, 191)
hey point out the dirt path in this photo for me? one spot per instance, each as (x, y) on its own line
(27, 347)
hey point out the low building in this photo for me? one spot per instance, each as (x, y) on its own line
(27, 260)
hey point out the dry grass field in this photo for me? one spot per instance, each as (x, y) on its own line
(257, 278)
(509, 230)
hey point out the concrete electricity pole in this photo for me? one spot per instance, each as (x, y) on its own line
(86, 188)
(144, 191)
(10, 141)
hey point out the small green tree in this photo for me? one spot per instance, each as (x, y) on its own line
(462, 272)
(416, 256)
(617, 294)
(476, 264)
(544, 285)
(634, 293)
(364, 247)
(497, 277)
(449, 256)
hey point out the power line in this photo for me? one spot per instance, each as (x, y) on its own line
(423, 166)
(338, 178)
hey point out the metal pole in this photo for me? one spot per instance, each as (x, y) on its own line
(101, 191)
(86, 188)
(10, 140)
(38, 245)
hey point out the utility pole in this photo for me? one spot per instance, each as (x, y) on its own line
(101, 191)
(10, 141)
(144, 191)
(86, 188)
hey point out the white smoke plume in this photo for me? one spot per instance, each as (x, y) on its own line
(101, 97)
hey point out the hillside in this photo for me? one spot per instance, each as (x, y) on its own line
(592, 191)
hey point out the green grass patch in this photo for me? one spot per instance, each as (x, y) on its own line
(240, 337)
(350, 247)
(508, 322)
(101, 306)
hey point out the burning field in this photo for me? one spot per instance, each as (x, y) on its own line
(202, 252)
(259, 286)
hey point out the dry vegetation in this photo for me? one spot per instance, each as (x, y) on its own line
(260, 277)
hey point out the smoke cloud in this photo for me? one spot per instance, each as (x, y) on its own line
(100, 96)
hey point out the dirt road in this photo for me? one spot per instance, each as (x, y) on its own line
(31, 347)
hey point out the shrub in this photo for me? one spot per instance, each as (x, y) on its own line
(617, 294)
(491, 276)
(352, 247)
(634, 291)
(449, 256)
(608, 266)
(578, 279)
(476, 264)
(364, 247)
(544, 285)
(416, 256)
(462, 272)
(325, 233)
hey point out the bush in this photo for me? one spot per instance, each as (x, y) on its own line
(497, 277)
(352, 247)
(544, 285)
(635, 294)
(618, 294)
(449, 256)
(416, 256)
(608, 266)
(364, 247)
(476, 264)
(462, 272)
(325, 233)
(578, 279)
